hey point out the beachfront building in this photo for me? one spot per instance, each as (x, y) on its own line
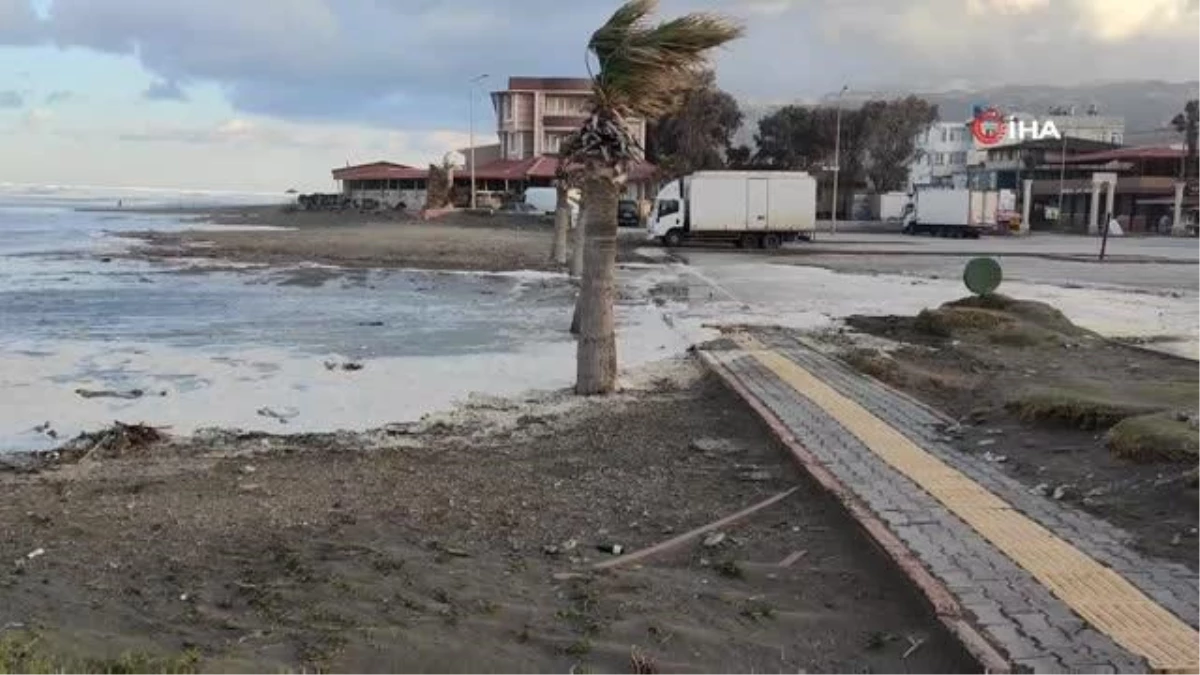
(535, 114)
(533, 117)
(391, 185)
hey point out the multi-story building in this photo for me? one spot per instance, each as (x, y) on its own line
(942, 152)
(535, 114)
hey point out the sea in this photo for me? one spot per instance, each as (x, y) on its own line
(186, 347)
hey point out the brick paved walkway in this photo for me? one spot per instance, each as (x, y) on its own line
(1025, 581)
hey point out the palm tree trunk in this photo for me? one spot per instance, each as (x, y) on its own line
(596, 353)
(578, 243)
(562, 224)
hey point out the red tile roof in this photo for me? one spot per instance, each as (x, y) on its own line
(379, 171)
(1127, 154)
(542, 167)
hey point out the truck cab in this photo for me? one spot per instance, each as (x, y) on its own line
(668, 221)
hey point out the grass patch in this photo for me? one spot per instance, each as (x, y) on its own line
(1160, 437)
(1074, 407)
(26, 652)
(902, 374)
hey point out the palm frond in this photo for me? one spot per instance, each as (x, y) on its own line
(643, 68)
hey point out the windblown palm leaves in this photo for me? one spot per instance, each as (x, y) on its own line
(644, 70)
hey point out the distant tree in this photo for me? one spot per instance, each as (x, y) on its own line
(1187, 124)
(889, 130)
(740, 157)
(877, 141)
(699, 134)
(437, 193)
(789, 139)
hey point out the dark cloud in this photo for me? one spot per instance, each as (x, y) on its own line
(164, 90)
(11, 99)
(19, 25)
(407, 62)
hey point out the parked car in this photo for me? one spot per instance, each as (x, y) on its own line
(627, 214)
(521, 208)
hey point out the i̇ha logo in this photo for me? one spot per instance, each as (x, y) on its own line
(991, 127)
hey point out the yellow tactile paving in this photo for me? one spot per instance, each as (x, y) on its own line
(1101, 596)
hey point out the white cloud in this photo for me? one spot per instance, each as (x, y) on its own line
(239, 153)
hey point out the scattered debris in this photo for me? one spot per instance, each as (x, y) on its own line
(614, 549)
(1064, 492)
(370, 323)
(688, 536)
(282, 415)
(249, 469)
(110, 393)
(568, 546)
(986, 442)
(1177, 539)
(792, 558)
(730, 569)
(345, 365)
(757, 476)
(994, 458)
(714, 445)
(1041, 489)
(715, 539)
(113, 441)
(914, 645)
(35, 553)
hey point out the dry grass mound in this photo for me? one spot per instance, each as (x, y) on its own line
(998, 319)
(1029, 311)
(1159, 437)
(1077, 408)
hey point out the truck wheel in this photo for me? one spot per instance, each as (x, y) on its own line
(673, 238)
(771, 241)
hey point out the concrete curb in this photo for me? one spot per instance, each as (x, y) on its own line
(947, 609)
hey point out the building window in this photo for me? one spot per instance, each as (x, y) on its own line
(552, 143)
(506, 107)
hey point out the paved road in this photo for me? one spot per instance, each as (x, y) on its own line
(1050, 588)
(1157, 264)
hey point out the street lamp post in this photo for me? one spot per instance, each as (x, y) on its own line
(474, 81)
(1062, 175)
(837, 157)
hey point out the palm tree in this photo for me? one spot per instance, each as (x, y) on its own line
(562, 214)
(1188, 124)
(643, 71)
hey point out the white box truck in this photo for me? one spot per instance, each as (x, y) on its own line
(754, 209)
(957, 212)
(888, 206)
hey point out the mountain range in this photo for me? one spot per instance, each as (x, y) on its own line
(1146, 105)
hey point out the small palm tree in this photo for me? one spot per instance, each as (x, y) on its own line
(1188, 124)
(562, 213)
(643, 71)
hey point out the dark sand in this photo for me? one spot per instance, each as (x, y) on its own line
(423, 549)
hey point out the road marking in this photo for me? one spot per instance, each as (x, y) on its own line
(1101, 596)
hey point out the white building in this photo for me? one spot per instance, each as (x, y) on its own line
(946, 149)
(942, 153)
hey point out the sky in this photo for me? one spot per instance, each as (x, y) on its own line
(267, 95)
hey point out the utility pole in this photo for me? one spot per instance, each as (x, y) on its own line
(1062, 173)
(474, 81)
(837, 157)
